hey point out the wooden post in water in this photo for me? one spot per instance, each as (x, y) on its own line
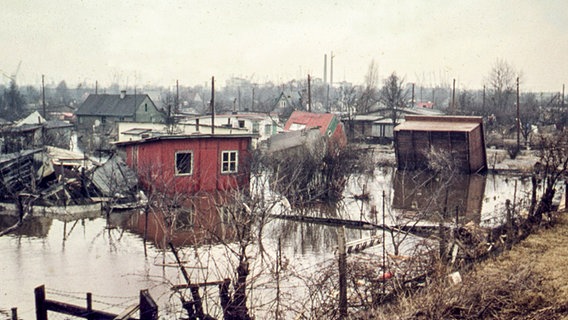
(342, 273)
(41, 310)
(90, 306)
(384, 248)
(148, 307)
(278, 264)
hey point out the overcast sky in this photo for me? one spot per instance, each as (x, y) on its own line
(159, 42)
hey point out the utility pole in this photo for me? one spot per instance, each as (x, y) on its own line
(252, 102)
(325, 81)
(454, 97)
(563, 96)
(309, 94)
(483, 103)
(212, 105)
(518, 119)
(413, 102)
(325, 68)
(177, 96)
(43, 95)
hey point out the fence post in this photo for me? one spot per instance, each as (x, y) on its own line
(14, 313)
(148, 307)
(342, 273)
(89, 306)
(41, 311)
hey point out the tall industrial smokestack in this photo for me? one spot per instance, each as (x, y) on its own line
(331, 70)
(324, 68)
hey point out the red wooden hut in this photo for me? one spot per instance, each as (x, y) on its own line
(191, 163)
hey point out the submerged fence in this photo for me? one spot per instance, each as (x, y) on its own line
(147, 307)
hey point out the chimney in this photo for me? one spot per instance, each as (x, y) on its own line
(122, 94)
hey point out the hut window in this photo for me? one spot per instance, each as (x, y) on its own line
(184, 163)
(184, 218)
(229, 161)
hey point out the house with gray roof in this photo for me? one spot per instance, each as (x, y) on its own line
(104, 110)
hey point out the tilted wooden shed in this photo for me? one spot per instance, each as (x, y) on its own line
(460, 136)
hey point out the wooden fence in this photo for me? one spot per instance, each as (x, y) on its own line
(148, 310)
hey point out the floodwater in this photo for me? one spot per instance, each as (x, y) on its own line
(73, 255)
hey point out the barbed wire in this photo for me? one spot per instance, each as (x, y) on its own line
(126, 300)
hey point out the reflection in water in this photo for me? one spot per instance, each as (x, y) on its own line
(37, 227)
(88, 254)
(434, 196)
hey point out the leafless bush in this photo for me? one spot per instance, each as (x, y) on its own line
(309, 175)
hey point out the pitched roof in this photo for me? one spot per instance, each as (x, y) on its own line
(111, 105)
(300, 120)
(32, 118)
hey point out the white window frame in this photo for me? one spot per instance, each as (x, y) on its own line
(227, 163)
(177, 173)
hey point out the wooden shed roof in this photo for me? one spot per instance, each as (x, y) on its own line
(439, 123)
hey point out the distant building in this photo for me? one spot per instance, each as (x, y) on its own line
(98, 115)
(329, 125)
(261, 125)
(424, 104)
(459, 136)
(106, 109)
(34, 131)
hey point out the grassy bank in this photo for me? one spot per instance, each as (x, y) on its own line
(528, 282)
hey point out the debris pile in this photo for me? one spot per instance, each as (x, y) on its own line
(58, 177)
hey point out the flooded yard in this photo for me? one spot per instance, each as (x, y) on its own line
(73, 255)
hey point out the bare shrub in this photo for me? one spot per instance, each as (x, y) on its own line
(515, 292)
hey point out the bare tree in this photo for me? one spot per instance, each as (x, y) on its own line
(369, 95)
(550, 170)
(393, 96)
(501, 89)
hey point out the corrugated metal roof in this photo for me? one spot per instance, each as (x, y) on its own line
(113, 177)
(439, 123)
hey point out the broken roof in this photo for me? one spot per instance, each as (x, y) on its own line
(300, 120)
(439, 123)
(114, 177)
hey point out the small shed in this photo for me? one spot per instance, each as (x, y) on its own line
(190, 163)
(329, 125)
(460, 136)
